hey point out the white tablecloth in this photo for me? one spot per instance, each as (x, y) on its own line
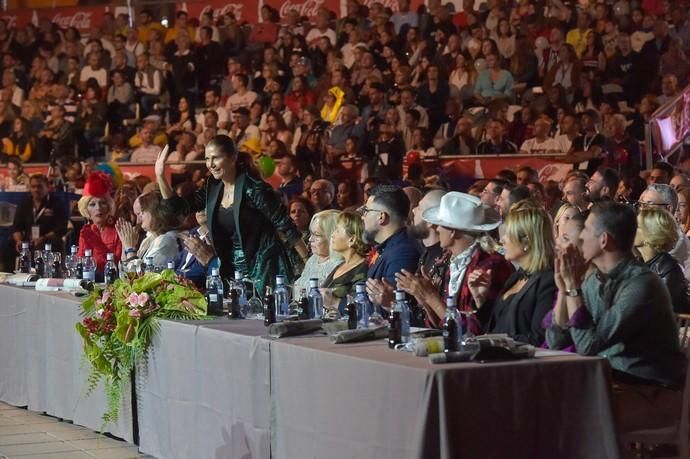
(42, 364)
(206, 392)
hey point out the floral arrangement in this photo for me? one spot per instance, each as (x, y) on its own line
(120, 321)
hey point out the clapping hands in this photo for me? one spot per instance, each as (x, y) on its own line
(479, 283)
(570, 268)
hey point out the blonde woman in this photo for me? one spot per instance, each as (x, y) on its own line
(346, 241)
(656, 235)
(529, 293)
(323, 261)
(563, 215)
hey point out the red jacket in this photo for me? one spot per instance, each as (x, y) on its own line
(100, 243)
(500, 268)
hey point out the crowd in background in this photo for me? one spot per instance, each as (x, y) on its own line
(596, 263)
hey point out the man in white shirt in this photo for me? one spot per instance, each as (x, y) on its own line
(147, 152)
(541, 143)
(321, 30)
(242, 96)
(93, 70)
(148, 83)
(185, 151)
(212, 102)
(404, 16)
(276, 106)
(570, 129)
(241, 129)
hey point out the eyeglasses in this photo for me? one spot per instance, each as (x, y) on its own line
(647, 205)
(364, 210)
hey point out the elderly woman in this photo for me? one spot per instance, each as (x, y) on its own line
(656, 235)
(346, 241)
(161, 223)
(98, 208)
(322, 262)
(529, 293)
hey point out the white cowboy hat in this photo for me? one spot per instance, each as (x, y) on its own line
(463, 212)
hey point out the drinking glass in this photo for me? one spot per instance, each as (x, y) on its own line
(255, 307)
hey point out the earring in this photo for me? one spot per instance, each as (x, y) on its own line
(525, 249)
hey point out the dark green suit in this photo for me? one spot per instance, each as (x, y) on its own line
(264, 230)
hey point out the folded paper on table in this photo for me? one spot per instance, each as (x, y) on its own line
(22, 279)
(52, 285)
(362, 334)
(298, 327)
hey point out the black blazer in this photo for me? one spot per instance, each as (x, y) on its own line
(668, 269)
(521, 315)
(262, 223)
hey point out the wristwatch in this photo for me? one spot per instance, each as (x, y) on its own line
(574, 292)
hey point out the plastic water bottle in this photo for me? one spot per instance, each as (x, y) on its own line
(315, 299)
(452, 327)
(89, 272)
(110, 270)
(48, 260)
(214, 293)
(149, 265)
(399, 321)
(364, 307)
(238, 285)
(25, 259)
(171, 265)
(281, 298)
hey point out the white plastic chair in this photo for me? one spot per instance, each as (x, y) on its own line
(676, 434)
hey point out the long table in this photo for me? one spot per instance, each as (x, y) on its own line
(221, 389)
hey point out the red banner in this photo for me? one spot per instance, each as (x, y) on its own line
(451, 169)
(244, 11)
(84, 18)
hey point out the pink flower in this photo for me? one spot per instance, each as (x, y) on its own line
(143, 298)
(133, 299)
(135, 313)
(106, 296)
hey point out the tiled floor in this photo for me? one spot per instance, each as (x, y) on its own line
(26, 434)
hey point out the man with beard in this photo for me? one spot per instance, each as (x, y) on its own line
(424, 232)
(384, 215)
(602, 185)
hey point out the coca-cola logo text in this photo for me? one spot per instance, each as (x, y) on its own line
(80, 19)
(392, 4)
(228, 8)
(308, 8)
(11, 20)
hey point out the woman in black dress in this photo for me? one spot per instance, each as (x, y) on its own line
(529, 293)
(250, 228)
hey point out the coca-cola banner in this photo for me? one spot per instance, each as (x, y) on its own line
(84, 18)
(244, 11)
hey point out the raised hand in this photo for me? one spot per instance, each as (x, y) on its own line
(159, 167)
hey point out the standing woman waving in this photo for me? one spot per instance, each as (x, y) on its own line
(250, 228)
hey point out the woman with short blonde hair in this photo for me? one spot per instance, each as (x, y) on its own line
(656, 235)
(529, 293)
(323, 260)
(346, 241)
